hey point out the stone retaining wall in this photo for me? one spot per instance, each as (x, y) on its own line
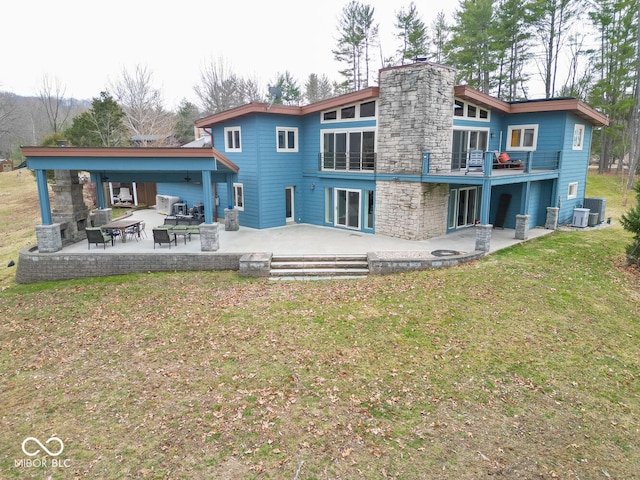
(34, 266)
(395, 262)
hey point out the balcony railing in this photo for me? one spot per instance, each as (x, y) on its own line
(347, 162)
(525, 161)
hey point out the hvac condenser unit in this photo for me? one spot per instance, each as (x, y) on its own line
(596, 205)
(580, 217)
(164, 203)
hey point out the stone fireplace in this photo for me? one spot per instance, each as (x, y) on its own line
(69, 209)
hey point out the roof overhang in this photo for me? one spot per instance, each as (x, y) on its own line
(275, 109)
(573, 105)
(155, 164)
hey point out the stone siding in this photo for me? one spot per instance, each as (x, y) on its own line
(415, 211)
(415, 116)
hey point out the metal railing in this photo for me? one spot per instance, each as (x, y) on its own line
(347, 162)
(536, 160)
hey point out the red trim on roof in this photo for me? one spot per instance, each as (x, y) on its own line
(353, 97)
(572, 105)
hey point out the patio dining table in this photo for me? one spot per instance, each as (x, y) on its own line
(122, 226)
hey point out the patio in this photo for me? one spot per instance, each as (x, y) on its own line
(302, 239)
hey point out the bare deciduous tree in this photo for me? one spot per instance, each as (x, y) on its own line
(146, 118)
(56, 107)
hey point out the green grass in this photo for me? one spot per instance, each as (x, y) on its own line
(522, 365)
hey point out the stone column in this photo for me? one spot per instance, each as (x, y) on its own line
(522, 227)
(69, 208)
(552, 218)
(483, 237)
(209, 237)
(49, 238)
(231, 223)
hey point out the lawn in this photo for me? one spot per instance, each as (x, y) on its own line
(525, 364)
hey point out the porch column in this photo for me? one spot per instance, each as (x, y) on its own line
(485, 204)
(43, 196)
(522, 227)
(483, 237)
(551, 222)
(99, 180)
(207, 193)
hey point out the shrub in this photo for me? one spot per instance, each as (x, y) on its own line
(631, 222)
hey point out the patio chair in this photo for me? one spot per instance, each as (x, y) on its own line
(97, 236)
(163, 235)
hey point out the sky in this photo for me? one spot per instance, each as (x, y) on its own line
(86, 45)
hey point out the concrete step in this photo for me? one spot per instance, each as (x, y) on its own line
(306, 266)
(315, 272)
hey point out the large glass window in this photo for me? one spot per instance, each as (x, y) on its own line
(352, 151)
(463, 142)
(463, 207)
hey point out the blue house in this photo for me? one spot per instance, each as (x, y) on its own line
(415, 157)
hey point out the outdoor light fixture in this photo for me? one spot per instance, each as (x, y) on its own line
(187, 178)
(313, 186)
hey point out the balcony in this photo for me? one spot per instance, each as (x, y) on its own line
(488, 163)
(347, 162)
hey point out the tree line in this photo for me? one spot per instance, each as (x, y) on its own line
(587, 49)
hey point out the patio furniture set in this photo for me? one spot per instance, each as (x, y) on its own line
(135, 228)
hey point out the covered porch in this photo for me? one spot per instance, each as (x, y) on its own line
(200, 166)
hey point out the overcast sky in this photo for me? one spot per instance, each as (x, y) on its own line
(86, 44)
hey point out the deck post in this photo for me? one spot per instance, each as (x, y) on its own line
(483, 237)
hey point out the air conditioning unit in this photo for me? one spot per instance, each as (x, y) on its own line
(164, 203)
(580, 217)
(596, 205)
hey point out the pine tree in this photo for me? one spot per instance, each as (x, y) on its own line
(631, 222)
(100, 126)
(412, 33)
(357, 34)
(472, 48)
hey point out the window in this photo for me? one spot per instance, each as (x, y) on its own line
(469, 110)
(463, 207)
(238, 196)
(353, 150)
(463, 142)
(232, 139)
(522, 137)
(333, 115)
(458, 109)
(368, 109)
(572, 191)
(348, 112)
(286, 139)
(351, 112)
(369, 205)
(578, 137)
(328, 205)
